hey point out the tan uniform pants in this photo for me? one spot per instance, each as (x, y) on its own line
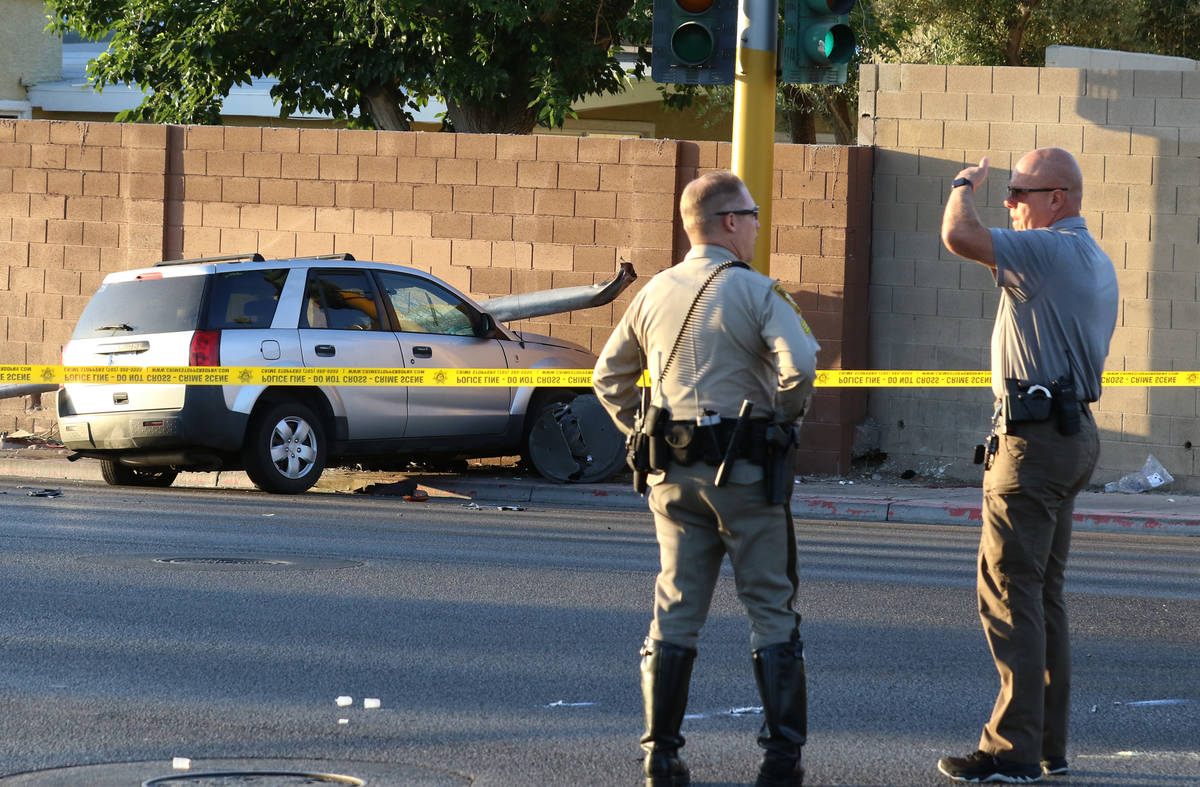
(1028, 504)
(697, 524)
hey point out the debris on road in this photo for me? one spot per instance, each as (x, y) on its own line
(1151, 476)
(35, 492)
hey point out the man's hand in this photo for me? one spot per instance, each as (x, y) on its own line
(977, 175)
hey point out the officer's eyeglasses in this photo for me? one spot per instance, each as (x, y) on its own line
(1016, 194)
(739, 212)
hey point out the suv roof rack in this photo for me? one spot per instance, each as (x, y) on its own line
(344, 256)
(254, 257)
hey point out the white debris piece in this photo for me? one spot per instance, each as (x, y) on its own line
(565, 704)
(1151, 476)
(371, 702)
(343, 721)
(181, 763)
(344, 700)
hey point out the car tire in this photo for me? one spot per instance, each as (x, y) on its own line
(569, 438)
(117, 474)
(285, 448)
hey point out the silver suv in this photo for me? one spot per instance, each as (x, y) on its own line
(244, 310)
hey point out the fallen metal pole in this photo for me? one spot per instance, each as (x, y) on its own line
(25, 389)
(562, 299)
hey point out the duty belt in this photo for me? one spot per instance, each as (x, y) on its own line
(690, 443)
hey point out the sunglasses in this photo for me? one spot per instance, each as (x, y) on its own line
(739, 212)
(1016, 194)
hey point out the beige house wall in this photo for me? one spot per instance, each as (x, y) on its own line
(1136, 135)
(28, 54)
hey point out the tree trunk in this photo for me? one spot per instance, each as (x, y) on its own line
(384, 105)
(802, 126)
(509, 117)
(839, 117)
(1016, 33)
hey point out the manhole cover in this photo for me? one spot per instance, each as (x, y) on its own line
(257, 778)
(224, 562)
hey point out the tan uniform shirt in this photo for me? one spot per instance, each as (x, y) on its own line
(746, 340)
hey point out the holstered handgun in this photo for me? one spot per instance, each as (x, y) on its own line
(779, 467)
(639, 445)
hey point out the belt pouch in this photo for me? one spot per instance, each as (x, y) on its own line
(679, 442)
(659, 453)
(1066, 407)
(1021, 405)
(779, 466)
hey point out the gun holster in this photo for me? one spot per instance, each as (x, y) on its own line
(779, 464)
(1024, 403)
(645, 449)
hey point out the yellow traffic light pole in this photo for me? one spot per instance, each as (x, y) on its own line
(754, 113)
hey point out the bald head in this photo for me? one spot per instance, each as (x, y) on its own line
(1053, 167)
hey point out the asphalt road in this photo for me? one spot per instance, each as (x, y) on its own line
(138, 626)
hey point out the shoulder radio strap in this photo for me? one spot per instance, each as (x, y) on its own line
(691, 310)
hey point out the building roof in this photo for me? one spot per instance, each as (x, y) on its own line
(74, 92)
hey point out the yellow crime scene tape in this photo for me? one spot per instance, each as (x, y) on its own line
(50, 374)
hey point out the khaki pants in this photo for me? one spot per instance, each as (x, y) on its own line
(697, 524)
(1028, 504)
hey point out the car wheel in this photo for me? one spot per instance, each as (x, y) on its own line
(285, 448)
(117, 474)
(569, 437)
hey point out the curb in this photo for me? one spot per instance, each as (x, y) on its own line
(805, 504)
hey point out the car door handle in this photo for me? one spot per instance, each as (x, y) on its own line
(423, 352)
(326, 350)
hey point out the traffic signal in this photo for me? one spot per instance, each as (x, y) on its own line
(817, 41)
(695, 42)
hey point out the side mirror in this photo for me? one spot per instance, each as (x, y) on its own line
(486, 328)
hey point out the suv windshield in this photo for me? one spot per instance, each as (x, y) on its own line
(151, 305)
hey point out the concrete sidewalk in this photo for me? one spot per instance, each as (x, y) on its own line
(860, 499)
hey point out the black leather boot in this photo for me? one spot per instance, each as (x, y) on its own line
(666, 672)
(779, 672)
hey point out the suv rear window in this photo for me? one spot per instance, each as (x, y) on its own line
(152, 305)
(244, 299)
(236, 299)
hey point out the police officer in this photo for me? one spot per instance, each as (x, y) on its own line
(715, 334)
(1058, 308)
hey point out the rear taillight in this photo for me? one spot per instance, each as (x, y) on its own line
(206, 349)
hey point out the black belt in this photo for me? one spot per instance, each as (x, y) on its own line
(690, 443)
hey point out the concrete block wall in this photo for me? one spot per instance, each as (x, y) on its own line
(491, 214)
(1136, 135)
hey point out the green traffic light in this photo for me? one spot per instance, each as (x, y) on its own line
(833, 44)
(692, 43)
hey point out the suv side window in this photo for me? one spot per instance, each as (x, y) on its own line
(340, 300)
(423, 307)
(244, 299)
